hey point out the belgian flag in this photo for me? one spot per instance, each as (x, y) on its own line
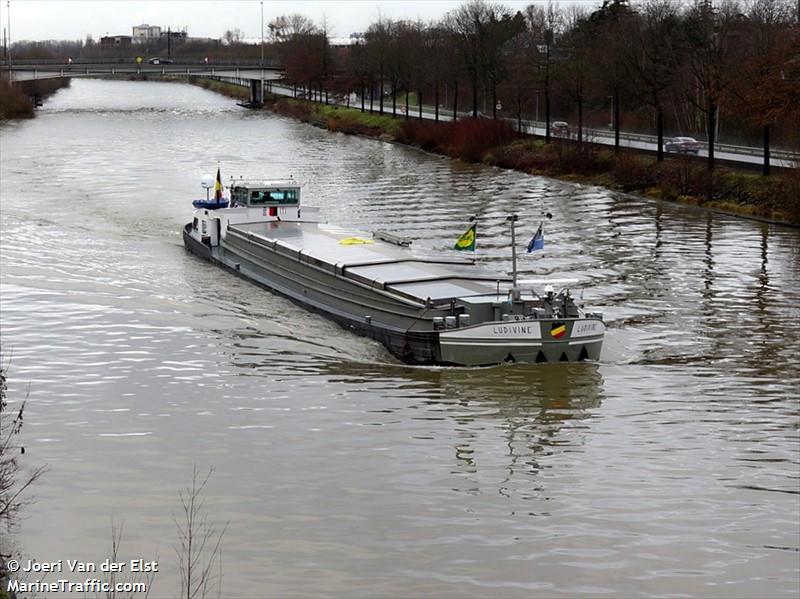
(466, 243)
(218, 187)
(558, 330)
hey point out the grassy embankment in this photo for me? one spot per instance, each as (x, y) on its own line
(677, 178)
(15, 100)
(226, 89)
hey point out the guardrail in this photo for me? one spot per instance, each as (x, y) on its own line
(777, 154)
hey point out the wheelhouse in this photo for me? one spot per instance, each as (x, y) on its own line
(264, 194)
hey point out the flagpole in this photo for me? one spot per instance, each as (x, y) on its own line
(512, 218)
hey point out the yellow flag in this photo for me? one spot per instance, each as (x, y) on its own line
(466, 242)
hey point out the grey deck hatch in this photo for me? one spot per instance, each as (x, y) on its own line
(377, 264)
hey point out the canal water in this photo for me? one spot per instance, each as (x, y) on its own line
(670, 468)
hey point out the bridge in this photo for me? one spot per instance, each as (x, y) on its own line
(248, 73)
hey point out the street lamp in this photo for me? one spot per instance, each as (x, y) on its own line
(262, 51)
(262, 35)
(8, 54)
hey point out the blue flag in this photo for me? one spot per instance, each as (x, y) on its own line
(537, 243)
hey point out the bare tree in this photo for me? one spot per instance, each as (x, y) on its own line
(607, 40)
(652, 56)
(574, 69)
(302, 47)
(480, 31)
(378, 41)
(13, 479)
(544, 26)
(200, 548)
(288, 27)
(232, 36)
(767, 88)
(711, 35)
(437, 57)
(520, 63)
(112, 578)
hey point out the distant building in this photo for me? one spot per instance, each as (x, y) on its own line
(121, 42)
(145, 33)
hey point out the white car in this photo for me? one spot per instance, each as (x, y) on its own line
(682, 145)
(559, 128)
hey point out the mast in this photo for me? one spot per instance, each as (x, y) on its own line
(512, 219)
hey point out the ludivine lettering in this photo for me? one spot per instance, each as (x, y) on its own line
(512, 330)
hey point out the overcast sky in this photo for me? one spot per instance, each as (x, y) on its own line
(74, 19)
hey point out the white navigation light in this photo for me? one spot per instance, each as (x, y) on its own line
(207, 182)
(549, 289)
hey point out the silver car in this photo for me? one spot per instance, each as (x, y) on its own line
(682, 145)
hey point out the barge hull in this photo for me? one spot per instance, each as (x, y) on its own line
(411, 304)
(409, 346)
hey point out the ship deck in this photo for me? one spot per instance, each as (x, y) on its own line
(378, 264)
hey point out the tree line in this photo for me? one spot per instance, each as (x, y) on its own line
(657, 65)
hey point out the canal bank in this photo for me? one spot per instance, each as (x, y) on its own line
(19, 101)
(682, 179)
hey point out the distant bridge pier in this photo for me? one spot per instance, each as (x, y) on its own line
(256, 91)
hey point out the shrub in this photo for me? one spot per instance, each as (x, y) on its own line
(470, 139)
(526, 156)
(433, 137)
(631, 171)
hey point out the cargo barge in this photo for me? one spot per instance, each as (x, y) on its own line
(424, 309)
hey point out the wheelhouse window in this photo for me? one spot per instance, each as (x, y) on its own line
(264, 197)
(239, 195)
(259, 197)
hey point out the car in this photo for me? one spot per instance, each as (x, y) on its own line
(159, 60)
(560, 128)
(682, 145)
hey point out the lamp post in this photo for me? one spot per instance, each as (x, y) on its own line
(262, 35)
(262, 51)
(8, 52)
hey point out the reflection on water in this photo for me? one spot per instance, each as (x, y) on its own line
(672, 464)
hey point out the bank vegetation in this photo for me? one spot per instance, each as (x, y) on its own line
(19, 100)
